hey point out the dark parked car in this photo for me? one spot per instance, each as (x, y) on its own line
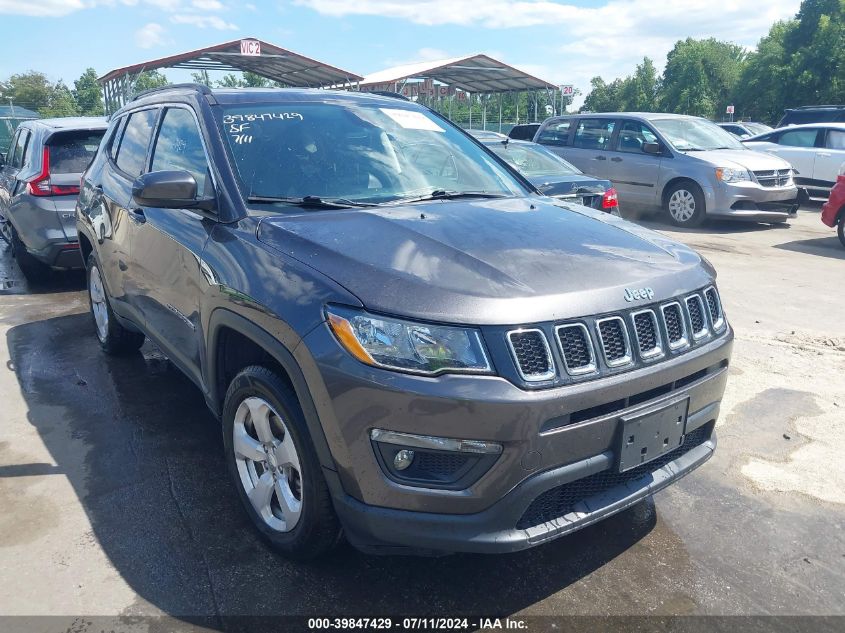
(431, 356)
(813, 114)
(744, 129)
(554, 176)
(39, 182)
(524, 131)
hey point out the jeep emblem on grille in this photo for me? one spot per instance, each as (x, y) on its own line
(636, 294)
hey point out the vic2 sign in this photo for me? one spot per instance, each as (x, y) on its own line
(251, 47)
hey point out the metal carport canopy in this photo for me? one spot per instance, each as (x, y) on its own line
(475, 74)
(273, 62)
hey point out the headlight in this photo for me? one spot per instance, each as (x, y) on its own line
(408, 346)
(728, 174)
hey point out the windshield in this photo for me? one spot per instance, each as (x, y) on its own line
(533, 160)
(757, 128)
(364, 153)
(696, 135)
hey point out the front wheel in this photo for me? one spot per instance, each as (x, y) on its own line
(275, 467)
(841, 229)
(684, 204)
(113, 337)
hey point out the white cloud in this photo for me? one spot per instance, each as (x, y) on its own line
(204, 21)
(47, 8)
(422, 55)
(150, 35)
(607, 40)
(207, 5)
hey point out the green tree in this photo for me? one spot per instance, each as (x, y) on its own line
(87, 93)
(60, 103)
(700, 76)
(150, 79)
(201, 77)
(637, 92)
(28, 90)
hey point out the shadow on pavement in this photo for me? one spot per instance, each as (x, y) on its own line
(821, 246)
(145, 460)
(12, 280)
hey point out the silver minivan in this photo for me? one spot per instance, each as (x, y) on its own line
(687, 165)
(39, 184)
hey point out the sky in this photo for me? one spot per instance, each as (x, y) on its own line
(563, 42)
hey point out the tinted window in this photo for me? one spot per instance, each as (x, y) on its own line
(555, 133)
(132, 153)
(533, 160)
(633, 135)
(835, 139)
(524, 132)
(18, 151)
(798, 138)
(593, 133)
(354, 150)
(179, 146)
(114, 142)
(71, 152)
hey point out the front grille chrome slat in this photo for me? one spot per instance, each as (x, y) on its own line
(613, 338)
(676, 328)
(697, 318)
(647, 334)
(576, 349)
(773, 177)
(532, 354)
(714, 309)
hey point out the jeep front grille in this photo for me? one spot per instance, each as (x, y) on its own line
(648, 338)
(714, 305)
(614, 341)
(532, 354)
(696, 316)
(675, 328)
(577, 349)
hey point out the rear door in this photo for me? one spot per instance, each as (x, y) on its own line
(634, 173)
(167, 246)
(115, 219)
(9, 171)
(591, 142)
(830, 157)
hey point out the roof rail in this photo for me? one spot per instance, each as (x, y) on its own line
(201, 88)
(387, 93)
(815, 107)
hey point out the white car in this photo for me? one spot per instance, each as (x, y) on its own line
(815, 150)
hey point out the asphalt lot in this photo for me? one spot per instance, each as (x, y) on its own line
(114, 499)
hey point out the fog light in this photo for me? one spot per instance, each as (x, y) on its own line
(403, 459)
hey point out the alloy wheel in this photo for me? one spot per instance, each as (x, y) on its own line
(268, 464)
(98, 303)
(682, 205)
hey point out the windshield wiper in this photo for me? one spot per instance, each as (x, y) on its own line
(442, 194)
(309, 202)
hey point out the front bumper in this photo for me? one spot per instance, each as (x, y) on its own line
(749, 201)
(538, 454)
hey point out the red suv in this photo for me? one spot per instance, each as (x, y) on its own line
(833, 211)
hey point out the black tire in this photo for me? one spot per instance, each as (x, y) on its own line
(317, 529)
(114, 339)
(31, 268)
(841, 228)
(691, 195)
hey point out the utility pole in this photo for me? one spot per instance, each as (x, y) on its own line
(11, 105)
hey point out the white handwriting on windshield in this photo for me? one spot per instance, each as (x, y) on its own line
(262, 116)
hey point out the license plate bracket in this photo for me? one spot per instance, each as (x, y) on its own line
(649, 434)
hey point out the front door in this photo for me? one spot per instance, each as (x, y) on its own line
(167, 246)
(634, 173)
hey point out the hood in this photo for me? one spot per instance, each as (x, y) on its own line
(494, 262)
(743, 158)
(558, 185)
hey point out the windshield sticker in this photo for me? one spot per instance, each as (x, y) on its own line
(411, 120)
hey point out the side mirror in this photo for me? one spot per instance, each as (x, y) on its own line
(170, 190)
(651, 148)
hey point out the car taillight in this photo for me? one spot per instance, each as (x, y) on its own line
(40, 185)
(609, 200)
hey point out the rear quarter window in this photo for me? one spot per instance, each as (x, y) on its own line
(72, 152)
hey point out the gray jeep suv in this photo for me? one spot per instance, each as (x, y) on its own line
(428, 355)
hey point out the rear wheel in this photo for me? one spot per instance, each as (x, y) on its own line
(113, 337)
(31, 268)
(684, 204)
(275, 467)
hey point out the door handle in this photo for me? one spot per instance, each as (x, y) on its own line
(616, 159)
(825, 154)
(137, 216)
(600, 157)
